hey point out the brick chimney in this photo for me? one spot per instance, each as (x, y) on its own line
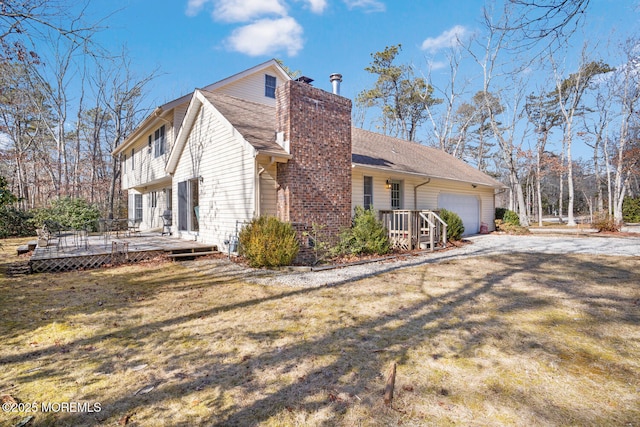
(315, 185)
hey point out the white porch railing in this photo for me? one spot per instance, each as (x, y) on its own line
(409, 229)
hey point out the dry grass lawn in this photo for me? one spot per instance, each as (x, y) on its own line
(526, 339)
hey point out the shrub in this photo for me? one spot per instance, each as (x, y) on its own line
(367, 235)
(631, 209)
(15, 223)
(69, 213)
(455, 227)
(511, 218)
(268, 242)
(605, 222)
(500, 213)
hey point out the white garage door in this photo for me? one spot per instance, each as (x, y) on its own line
(467, 208)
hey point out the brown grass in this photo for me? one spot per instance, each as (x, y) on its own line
(527, 339)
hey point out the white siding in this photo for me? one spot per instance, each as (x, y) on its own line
(268, 191)
(251, 87)
(226, 170)
(427, 195)
(148, 168)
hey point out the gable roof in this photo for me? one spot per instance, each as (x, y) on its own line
(254, 123)
(163, 109)
(370, 149)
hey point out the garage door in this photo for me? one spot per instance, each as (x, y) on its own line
(467, 208)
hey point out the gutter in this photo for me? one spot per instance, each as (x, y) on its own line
(415, 194)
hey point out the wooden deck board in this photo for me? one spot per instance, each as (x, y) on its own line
(71, 254)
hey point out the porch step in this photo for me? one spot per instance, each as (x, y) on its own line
(193, 252)
(30, 246)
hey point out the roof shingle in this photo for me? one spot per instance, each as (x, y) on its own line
(257, 124)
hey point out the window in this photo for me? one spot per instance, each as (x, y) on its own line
(154, 199)
(269, 86)
(124, 163)
(159, 142)
(368, 192)
(133, 159)
(396, 195)
(138, 207)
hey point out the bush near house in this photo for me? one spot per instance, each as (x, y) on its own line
(631, 209)
(268, 242)
(509, 221)
(455, 227)
(367, 235)
(507, 216)
(69, 213)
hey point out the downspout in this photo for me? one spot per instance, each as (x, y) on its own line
(415, 194)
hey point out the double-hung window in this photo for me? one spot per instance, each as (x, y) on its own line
(159, 142)
(269, 86)
(137, 200)
(368, 192)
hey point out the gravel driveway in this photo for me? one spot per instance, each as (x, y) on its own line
(491, 244)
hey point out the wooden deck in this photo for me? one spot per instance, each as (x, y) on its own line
(71, 252)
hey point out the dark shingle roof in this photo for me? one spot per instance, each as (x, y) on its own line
(257, 124)
(397, 155)
(254, 121)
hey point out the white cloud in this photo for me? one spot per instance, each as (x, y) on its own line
(317, 6)
(268, 36)
(195, 6)
(437, 65)
(246, 10)
(449, 38)
(368, 5)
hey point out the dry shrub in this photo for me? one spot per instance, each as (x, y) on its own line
(605, 223)
(269, 242)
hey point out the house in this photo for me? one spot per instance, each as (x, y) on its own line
(260, 143)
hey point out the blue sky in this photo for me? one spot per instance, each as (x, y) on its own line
(197, 42)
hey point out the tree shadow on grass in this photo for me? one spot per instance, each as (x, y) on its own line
(383, 336)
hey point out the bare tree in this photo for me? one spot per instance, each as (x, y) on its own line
(547, 24)
(510, 98)
(626, 150)
(445, 123)
(569, 96)
(122, 95)
(544, 115)
(22, 21)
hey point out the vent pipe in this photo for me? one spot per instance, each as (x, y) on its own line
(335, 80)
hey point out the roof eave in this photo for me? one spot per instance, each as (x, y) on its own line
(420, 174)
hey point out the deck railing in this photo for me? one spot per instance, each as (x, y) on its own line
(411, 229)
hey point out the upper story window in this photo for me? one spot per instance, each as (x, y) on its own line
(159, 142)
(269, 86)
(133, 159)
(124, 163)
